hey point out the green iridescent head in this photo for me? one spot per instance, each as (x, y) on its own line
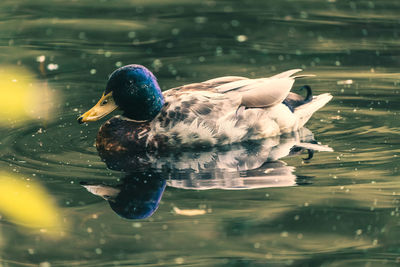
(133, 89)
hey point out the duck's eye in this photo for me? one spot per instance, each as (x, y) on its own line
(104, 102)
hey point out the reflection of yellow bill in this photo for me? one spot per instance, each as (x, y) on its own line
(27, 204)
(105, 106)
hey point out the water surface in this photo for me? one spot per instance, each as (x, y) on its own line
(341, 208)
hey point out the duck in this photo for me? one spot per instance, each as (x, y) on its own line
(216, 112)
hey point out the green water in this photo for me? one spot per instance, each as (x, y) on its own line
(340, 208)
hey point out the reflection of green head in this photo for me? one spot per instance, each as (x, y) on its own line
(140, 195)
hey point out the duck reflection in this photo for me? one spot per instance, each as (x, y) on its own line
(236, 167)
(137, 197)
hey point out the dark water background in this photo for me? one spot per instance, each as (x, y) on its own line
(346, 213)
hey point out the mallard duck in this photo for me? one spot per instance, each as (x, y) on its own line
(219, 111)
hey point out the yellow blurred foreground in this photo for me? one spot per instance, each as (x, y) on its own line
(23, 97)
(27, 204)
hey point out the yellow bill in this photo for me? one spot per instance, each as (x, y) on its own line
(105, 106)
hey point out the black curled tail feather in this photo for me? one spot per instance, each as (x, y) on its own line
(309, 94)
(294, 100)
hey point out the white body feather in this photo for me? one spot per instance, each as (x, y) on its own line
(206, 113)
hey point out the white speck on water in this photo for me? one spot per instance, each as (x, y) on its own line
(93, 71)
(175, 31)
(241, 38)
(358, 232)
(344, 82)
(284, 234)
(132, 34)
(303, 15)
(45, 264)
(118, 64)
(82, 35)
(179, 260)
(52, 66)
(235, 23)
(200, 20)
(157, 64)
(300, 236)
(136, 225)
(98, 251)
(218, 51)
(41, 58)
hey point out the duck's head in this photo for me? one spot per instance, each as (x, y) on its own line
(133, 89)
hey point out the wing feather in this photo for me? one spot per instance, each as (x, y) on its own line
(225, 79)
(263, 92)
(237, 85)
(267, 93)
(252, 93)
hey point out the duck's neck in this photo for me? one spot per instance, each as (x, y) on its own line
(146, 105)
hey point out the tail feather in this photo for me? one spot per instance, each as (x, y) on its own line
(303, 76)
(285, 74)
(304, 112)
